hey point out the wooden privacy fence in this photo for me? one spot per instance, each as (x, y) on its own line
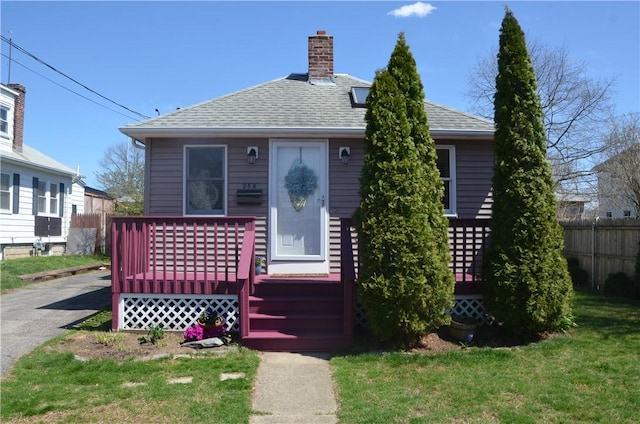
(101, 222)
(603, 247)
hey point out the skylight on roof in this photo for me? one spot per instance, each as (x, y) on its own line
(359, 95)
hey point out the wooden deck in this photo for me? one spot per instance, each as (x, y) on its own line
(183, 256)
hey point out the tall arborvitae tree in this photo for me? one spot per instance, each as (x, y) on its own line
(406, 286)
(528, 285)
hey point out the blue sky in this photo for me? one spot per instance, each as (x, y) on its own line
(162, 55)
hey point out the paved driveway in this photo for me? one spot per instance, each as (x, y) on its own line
(41, 311)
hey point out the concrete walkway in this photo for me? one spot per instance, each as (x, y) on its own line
(293, 388)
(47, 309)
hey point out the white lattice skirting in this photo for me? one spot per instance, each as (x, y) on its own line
(178, 312)
(471, 305)
(174, 312)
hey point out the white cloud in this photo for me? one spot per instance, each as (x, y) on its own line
(418, 9)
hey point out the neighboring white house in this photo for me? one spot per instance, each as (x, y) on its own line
(619, 185)
(37, 193)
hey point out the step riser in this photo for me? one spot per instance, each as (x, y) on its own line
(300, 345)
(297, 289)
(297, 324)
(283, 307)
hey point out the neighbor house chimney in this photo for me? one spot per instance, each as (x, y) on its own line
(18, 116)
(320, 56)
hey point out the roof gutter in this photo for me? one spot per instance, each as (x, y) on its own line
(138, 134)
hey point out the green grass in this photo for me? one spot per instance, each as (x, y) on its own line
(591, 375)
(54, 387)
(12, 269)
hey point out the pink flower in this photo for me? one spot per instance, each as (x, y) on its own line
(195, 332)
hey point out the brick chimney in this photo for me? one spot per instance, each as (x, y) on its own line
(18, 116)
(320, 56)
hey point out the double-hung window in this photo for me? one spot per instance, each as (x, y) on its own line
(5, 192)
(205, 175)
(4, 120)
(48, 198)
(446, 163)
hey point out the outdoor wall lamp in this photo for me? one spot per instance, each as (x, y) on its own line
(252, 154)
(345, 154)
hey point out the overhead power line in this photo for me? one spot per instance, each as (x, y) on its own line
(70, 90)
(24, 51)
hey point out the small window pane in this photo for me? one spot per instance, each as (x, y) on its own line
(4, 182)
(445, 200)
(42, 197)
(443, 163)
(4, 123)
(5, 192)
(53, 199)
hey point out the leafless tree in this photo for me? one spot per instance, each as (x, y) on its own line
(574, 106)
(123, 177)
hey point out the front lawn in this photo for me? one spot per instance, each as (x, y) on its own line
(591, 375)
(12, 269)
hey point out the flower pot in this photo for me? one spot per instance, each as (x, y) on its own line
(462, 328)
(258, 269)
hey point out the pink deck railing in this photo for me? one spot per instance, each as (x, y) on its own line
(181, 255)
(468, 240)
(176, 254)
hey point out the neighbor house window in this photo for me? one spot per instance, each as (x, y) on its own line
(609, 214)
(5, 192)
(447, 166)
(626, 214)
(205, 174)
(4, 120)
(48, 198)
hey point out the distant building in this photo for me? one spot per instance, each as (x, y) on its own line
(37, 193)
(571, 206)
(617, 176)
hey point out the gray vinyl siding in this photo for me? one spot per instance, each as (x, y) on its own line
(163, 182)
(474, 168)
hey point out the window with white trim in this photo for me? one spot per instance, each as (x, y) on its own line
(48, 198)
(446, 163)
(626, 214)
(205, 175)
(4, 120)
(5, 192)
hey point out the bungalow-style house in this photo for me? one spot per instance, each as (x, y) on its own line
(619, 185)
(37, 193)
(272, 171)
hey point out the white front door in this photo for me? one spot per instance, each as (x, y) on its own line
(298, 219)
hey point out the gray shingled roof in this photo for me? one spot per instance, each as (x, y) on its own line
(293, 103)
(32, 157)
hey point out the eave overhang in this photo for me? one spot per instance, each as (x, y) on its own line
(142, 133)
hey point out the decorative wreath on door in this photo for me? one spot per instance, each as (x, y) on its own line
(300, 182)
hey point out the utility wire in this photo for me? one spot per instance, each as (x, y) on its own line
(11, 43)
(70, 90)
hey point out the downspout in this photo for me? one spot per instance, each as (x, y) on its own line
(593, 253)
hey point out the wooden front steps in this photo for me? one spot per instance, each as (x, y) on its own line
(296, 314)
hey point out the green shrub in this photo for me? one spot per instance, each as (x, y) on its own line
(620, 284)
(405, 282)
(528, 286)
(579, 276)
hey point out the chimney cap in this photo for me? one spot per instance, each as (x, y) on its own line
(321, 32)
